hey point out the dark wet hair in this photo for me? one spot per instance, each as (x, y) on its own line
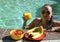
(48, 5)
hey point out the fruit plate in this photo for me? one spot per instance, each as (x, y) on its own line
(39, 38)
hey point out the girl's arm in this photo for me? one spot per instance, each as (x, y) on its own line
(32, 24)
(56, 26)
(56, 23)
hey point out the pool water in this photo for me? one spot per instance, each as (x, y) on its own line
(11, 11)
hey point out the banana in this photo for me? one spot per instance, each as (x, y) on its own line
(31, 30)
(35, 32)
(36, 36)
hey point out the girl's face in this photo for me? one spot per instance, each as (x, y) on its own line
(47, 13)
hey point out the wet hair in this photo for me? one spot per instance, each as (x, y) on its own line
(48, 5)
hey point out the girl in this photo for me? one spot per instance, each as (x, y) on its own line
(46, 20)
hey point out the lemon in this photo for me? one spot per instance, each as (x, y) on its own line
(27, 16)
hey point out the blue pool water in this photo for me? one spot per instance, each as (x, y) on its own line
(11, 11)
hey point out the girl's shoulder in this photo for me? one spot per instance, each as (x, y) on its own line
(37, 19)
(56, 23)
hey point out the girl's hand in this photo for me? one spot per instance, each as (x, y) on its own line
(25, 20)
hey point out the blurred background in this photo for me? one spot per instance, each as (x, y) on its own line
(11, 11)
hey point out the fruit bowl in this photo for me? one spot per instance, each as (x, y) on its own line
(36, 33)
(35, 39)
(16, 34)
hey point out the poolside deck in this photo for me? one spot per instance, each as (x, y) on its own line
(50, 37)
